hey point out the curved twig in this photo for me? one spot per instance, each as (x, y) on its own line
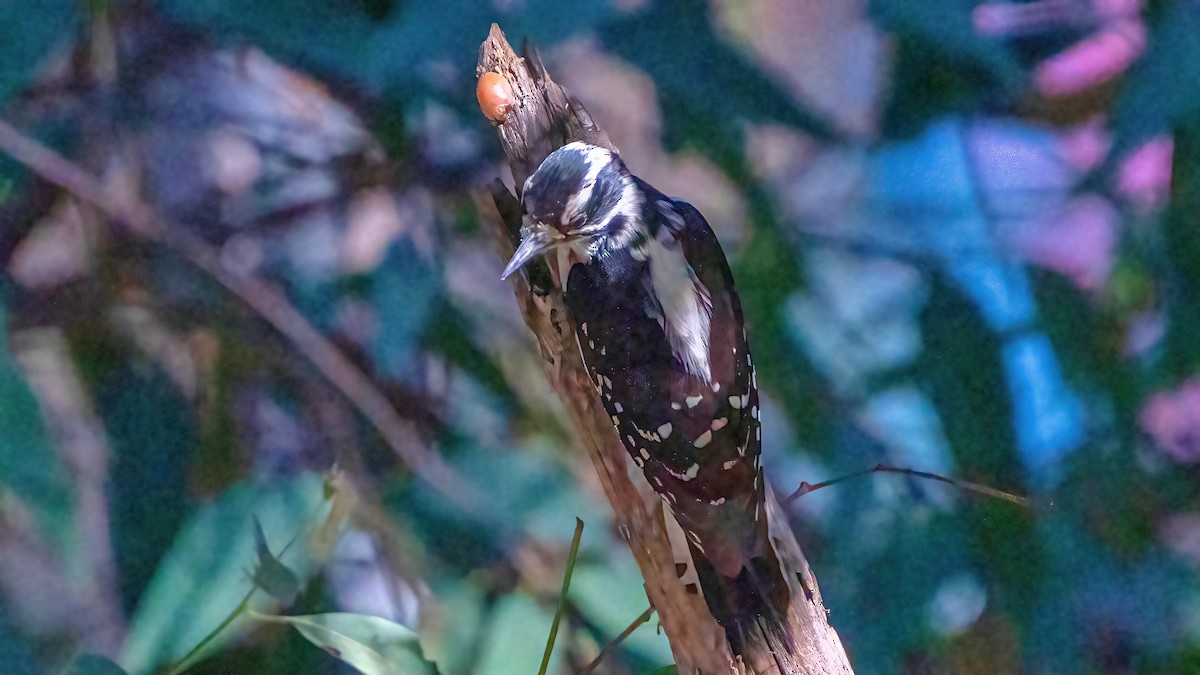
(267, 301)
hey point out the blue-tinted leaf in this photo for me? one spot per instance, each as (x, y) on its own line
(946, 28)
(325, 35)
(29, 466)
(965, 377)
(404, 290)
(456, 621)
(885, 564)
(942, 208)
(205, 574)
(1143, 620)
(769, 277)
(611, 596)
(153, 436)
(964, 367)
(1181, 250)
(942, 64)
(514, 637)
(31, 32)
(271, 575)
(1164, 87)
(92, 664)
(524, 493)
(395, 52)
(1083, 336)
(16, 657)
(423, 33)
(674, 42)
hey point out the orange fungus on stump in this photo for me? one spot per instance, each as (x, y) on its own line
(495, 96)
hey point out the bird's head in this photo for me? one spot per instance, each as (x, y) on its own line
(581, 197)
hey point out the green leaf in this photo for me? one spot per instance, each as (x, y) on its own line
(1089, 339)
(322, 34)
(30, 34)
(457, 621)
(451, 334)
(942, 64)
(404, 290)
(16, 653)
(204, 575)
(152, 433)
(92, 664)
(372, 644)
(884, 578)
(450, 32)
(695, 71)
(947, 30)
(510, 644)
(1181, 252)
(963, 368)
(271, 575)
(1163, 89)
(611, 595)
(389, 51)
(525, 492)
(666, 670)
(29, 466)
(769, 275)
(965, 378)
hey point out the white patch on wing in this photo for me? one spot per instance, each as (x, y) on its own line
(668, 210)
(685, 303)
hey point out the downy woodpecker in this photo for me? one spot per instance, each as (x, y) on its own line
(661, 331)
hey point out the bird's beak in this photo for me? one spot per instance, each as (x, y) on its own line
(535, 241)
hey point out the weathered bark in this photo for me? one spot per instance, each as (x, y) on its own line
(544, 116)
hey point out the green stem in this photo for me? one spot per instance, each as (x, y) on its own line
(562, 596)
(192, 656)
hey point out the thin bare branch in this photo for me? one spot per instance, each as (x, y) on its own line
(806, 488)
(612, 644)
(268, 302)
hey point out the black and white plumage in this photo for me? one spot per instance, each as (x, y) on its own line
(663, 337)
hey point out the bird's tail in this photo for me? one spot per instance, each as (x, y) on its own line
(755, 600)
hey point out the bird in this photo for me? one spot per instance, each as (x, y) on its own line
(662, 334)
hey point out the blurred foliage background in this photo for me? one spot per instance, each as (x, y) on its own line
(965, 235)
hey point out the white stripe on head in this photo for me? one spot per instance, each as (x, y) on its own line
(629, 206)
(596, 159)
